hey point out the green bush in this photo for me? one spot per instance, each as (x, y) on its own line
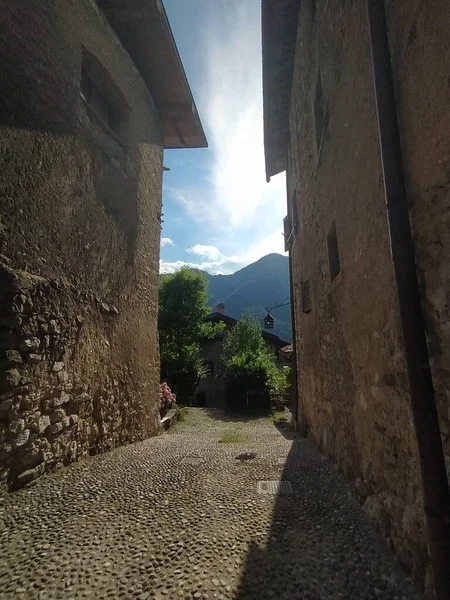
(249, 366)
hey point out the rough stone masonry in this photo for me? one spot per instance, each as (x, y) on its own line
(81, 146)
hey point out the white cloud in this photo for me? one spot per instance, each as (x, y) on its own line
(232, 195)
(221, 264)
(210, 252)
(167, 242)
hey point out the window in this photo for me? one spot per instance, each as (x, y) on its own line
(209, 364)
(288, 233)
(333, 253)
(290, 223)
(294, 210)
(97, 101)
(306, 296)
(319, 113)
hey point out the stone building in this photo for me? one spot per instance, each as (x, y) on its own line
(92, 93)
(321, 127)
(210, 391)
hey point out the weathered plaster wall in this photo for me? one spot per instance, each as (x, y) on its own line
(420, 48)
(353, 386)
(79, 243)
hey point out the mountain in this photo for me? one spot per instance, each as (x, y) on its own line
(259, 285)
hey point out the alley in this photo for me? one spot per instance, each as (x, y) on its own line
(182, 516)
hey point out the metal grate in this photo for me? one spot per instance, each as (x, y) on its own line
(274, 487)
(306, 296)
(191, 460)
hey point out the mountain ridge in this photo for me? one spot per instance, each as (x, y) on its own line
(261, 284)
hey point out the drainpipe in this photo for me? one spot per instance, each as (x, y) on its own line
(436, 495)
(294, 343)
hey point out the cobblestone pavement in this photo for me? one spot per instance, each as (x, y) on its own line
(179, 516)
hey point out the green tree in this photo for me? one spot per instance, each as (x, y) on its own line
(248, 364)
(183, 306)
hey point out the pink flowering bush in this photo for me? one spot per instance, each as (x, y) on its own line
(166, 397)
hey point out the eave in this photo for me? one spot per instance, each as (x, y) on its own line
(279, 23)
(144, 30)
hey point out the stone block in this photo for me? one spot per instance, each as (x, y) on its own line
(34, 359)
(26, 403)
(57, 416)
(54, 327)
(57, 366)
(29, 344)
(17, 425)
(54, 429)
(11, 356)
(39, 424)
(30, 475)
(20, 438)
(63, 398)
(11, 378)
(63, 376)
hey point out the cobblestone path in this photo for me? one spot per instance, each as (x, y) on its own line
(180, 516)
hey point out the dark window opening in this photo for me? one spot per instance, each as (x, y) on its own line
(102, 94)
(306, 296)
(97, 101)
(319, 113)
(333, 253)
(294, 213)
(209, 364)
(288, 233)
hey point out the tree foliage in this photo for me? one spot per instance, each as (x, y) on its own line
(183, 306)
(249, 365)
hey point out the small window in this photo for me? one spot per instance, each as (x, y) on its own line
(288, 233)
(97, 101)
(209, 364)
(319, 113)
(306, 296)
(333, 253)
(294, 210)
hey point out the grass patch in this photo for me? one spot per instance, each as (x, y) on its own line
(232, 437)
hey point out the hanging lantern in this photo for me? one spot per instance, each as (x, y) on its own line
(268, 321)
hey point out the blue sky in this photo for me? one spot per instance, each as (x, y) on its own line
(219, 212)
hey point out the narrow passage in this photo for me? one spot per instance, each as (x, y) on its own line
(190, 514)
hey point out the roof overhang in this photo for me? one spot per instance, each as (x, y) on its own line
(279, 34)
(144, 30)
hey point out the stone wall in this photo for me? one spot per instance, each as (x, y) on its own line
(420, 49)
(80, 217)
(353, 385)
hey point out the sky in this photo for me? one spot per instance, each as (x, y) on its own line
(219, 213)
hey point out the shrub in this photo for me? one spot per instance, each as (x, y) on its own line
(166, 397)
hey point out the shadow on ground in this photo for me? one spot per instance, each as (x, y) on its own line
(232, 416)
(320, 544)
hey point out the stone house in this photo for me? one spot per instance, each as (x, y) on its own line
(210, 391)
(321, 126)
(92, 94)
